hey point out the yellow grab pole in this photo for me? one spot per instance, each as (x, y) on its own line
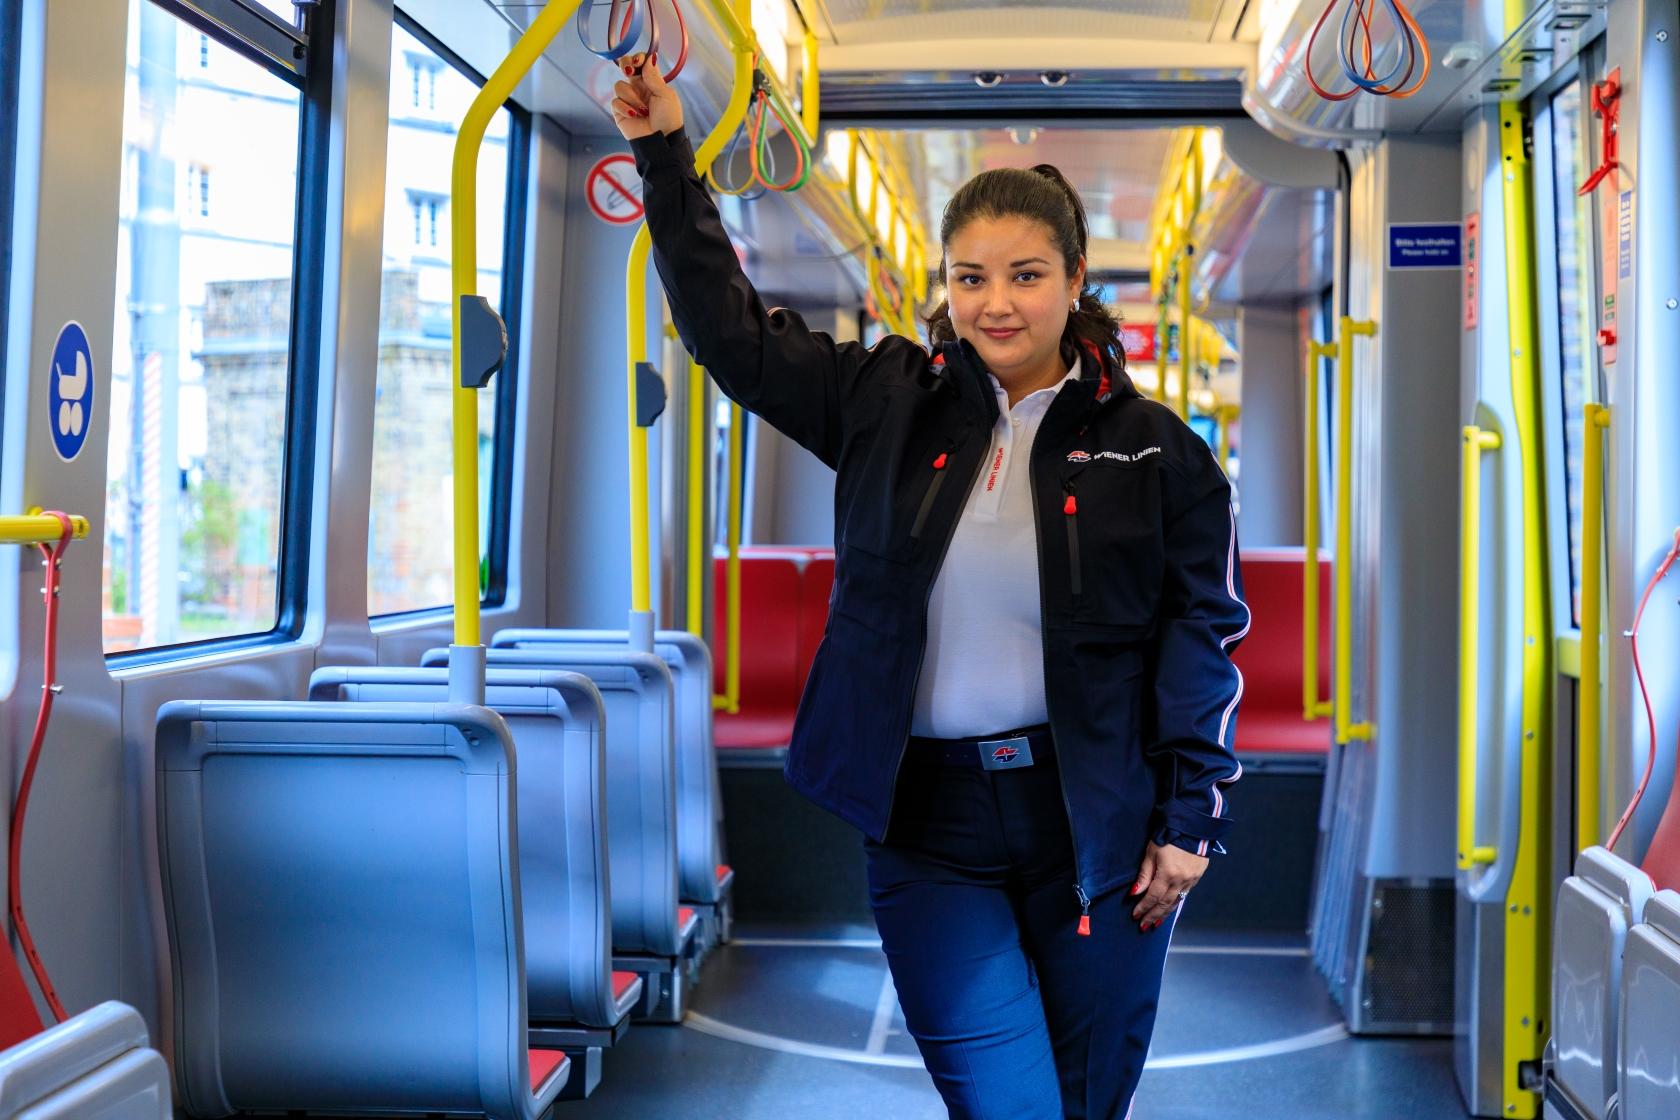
(1163, 334)
(1589, 761)
(811, 91)
(39, 528)
(635, 321)
(1346, 729)
(698, 446)
(467, 674)
(1186, 336)
(1311, 535)
(1528, 897)
(1476, 441)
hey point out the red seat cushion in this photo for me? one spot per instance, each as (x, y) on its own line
(753, 729)
(543, 1063)
(770, 681)
(621, 982)
(1270, 719)
(722, 872)
(684, 913)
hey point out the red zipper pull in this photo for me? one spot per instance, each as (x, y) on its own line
(1084, 903)
(1070, 507)
(939, 463)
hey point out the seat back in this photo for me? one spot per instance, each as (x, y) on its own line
(638, 695)
(699, 801)
(1649, 1038)
(1596, 907)
(770, 682)
(342, 901)
(1269, 657)
(99, 1063)
(556, 720)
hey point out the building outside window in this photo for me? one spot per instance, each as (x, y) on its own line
(410, 566)
(200, 366)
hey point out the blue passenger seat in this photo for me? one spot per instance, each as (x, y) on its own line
(96, 1064)
(556, 718)
(703, 881)
(1596, 907)
(651, 934)
(343, 907)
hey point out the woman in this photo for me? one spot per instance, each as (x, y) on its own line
(1024, 698)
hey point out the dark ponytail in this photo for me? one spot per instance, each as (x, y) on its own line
(1045, 196)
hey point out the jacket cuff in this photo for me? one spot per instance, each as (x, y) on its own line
(1175, 816)
(657, 152)
(1165, 836)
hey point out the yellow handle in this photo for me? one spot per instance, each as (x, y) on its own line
(1346, 730)
(35, 527)
(1311, 706)
(810, 93)
(1596, 418)
(463, 220)
(1186, 339)
(1469, 581)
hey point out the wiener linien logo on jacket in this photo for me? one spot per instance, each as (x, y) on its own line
(1117, 456)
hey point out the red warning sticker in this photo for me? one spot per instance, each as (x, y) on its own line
(615, 190)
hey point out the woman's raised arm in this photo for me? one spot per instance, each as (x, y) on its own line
(797, 379)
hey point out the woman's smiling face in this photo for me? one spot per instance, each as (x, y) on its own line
(1009, 294)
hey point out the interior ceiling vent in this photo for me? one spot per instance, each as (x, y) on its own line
(947, 97)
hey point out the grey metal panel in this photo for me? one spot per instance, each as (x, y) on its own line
(1269, 483)
(557, 723)
(699, 800)
(315, 974)
(1595, 908)
(64, 227)
(641, 785)
(1479, 1005)
(1650, 1022)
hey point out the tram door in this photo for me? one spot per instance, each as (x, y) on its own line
(1529, 360)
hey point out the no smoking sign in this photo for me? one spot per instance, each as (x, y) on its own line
(614, 190)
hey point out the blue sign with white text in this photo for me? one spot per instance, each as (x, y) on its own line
(70, 391)
(1437, 245)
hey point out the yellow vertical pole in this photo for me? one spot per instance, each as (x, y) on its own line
(1476, 441)
(699, 446)
(732, 621)
(1346, 729)
(1186, 335)
(1163, 335)
(810, 88)
(1589, 761)
(1527, 901)
(463, 275)
(1312, 536)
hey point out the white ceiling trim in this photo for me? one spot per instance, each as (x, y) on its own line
(938, 51)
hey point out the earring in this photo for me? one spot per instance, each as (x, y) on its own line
(1074, 306)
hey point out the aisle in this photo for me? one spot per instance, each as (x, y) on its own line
(803, 1022)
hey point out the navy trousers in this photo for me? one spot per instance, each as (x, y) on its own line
(1018, 1016)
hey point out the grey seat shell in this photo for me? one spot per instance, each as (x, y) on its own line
(1596, 907)
(556, 720)
(699, 799)
(99, 1063)
(341, 888)
(1649, 1082)
(637, 692)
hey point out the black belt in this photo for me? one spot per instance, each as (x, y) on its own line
(1011, 750)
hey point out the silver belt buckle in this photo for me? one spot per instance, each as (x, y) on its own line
(1006, 754)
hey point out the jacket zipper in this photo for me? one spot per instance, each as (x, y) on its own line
(932, 493)
(1071, 508)
(916, 681)
(1043, 615)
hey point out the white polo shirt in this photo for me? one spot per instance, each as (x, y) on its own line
(983, 670)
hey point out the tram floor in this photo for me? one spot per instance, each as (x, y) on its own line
(801, 1021)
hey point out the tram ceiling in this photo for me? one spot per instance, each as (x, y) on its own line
(1099, 99)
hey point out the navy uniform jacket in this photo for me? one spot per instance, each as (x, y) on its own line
(1137, 548)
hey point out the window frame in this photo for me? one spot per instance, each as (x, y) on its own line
(11, 34)
(506, 407)
(303, 363)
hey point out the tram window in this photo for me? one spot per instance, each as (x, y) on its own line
(410, 566)
(200, 369)
(1575, 306)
